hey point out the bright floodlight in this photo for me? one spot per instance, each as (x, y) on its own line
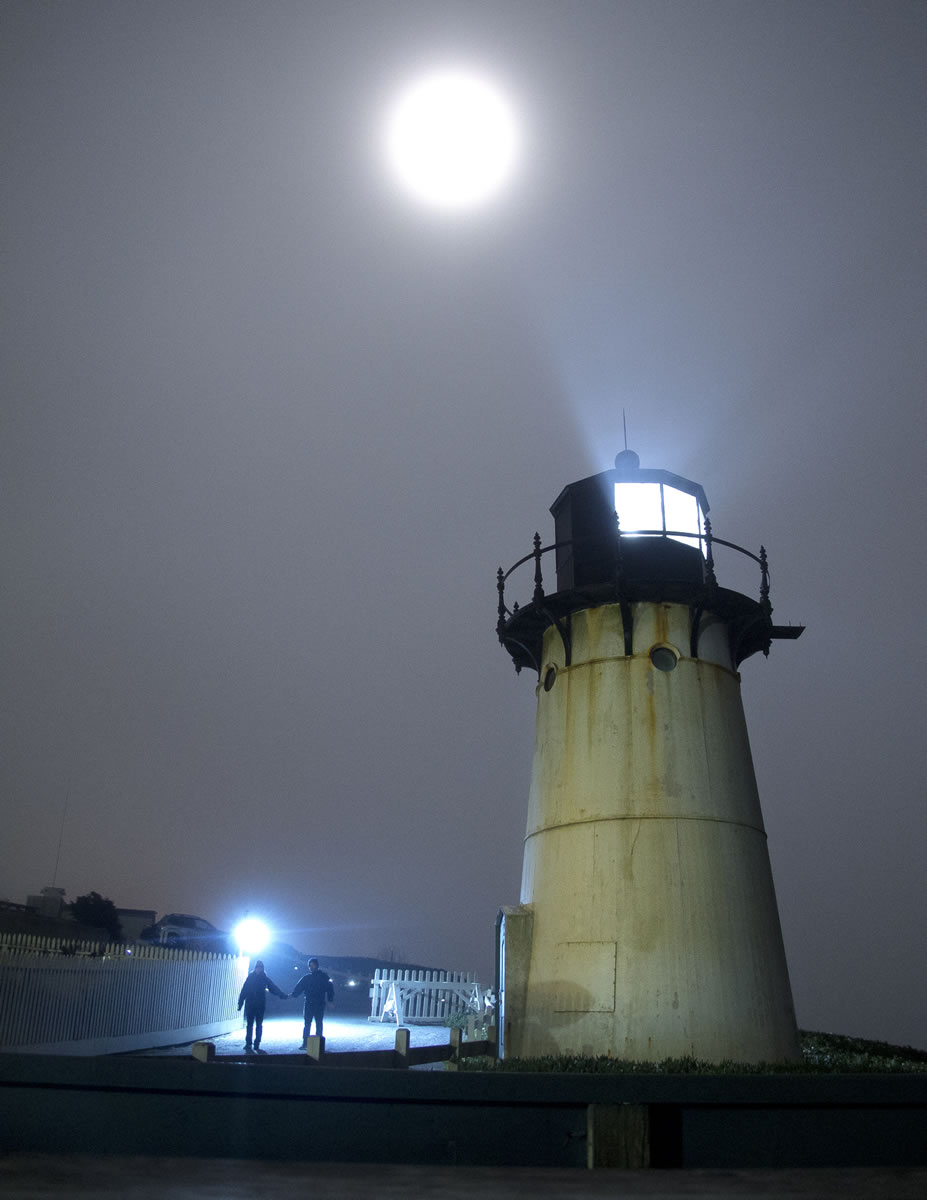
(452, 139)
(252, 936)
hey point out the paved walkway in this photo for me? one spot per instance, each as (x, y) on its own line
(282, 1035)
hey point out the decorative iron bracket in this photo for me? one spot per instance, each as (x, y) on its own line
(565, 629)
(695, 614)
(508, 641)
(627, 623)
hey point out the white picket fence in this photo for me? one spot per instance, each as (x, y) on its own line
(423, 997)
(68, 997)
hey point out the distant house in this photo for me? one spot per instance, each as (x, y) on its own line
(46, 915)
(50, 902)
(134, 920)
(51, 905)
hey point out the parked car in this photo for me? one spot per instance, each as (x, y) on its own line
(184, 932)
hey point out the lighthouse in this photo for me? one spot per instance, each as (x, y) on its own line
(648, 925)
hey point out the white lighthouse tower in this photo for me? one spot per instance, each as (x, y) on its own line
(648, 925)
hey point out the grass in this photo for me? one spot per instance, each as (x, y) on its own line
(822, 1054)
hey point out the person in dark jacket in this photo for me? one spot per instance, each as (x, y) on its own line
(253, 996)
(317, 988)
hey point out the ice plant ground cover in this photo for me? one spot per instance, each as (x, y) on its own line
(822, 1053)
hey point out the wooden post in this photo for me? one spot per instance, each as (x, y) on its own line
(617, 1135)
(315, 1047)
(204, 1051)
(402, 1048)
(456, 1039)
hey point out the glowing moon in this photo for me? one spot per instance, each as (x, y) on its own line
(452, 139)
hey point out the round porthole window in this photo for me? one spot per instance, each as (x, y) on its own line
(664, 658)
(550, 678)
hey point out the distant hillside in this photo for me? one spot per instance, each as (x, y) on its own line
(359, 968)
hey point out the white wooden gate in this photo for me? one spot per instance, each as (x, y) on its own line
(423, 997)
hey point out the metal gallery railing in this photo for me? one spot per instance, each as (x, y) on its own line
(706, 542)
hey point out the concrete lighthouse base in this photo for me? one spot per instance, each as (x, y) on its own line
(648, 926)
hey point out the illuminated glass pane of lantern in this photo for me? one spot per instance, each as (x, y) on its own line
(682, 514)
(638, 507)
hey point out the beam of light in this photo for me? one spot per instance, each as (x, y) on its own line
(452, 139)
(252, 935)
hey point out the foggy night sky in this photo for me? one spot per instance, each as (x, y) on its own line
(268, 429)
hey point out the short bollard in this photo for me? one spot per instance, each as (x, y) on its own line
(456, 1040)
(204, 1051)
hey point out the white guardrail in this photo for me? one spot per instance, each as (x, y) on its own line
(67, 997)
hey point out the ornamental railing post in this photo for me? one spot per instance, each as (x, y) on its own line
(538, 596)
(710, 558)
(764, 582)
(500, 585)
(617, 549)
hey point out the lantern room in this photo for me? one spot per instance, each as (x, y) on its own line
(662, 512)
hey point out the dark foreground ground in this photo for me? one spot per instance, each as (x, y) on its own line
(37, 1177)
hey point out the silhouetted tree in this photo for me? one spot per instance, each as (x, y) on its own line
(94, 909)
